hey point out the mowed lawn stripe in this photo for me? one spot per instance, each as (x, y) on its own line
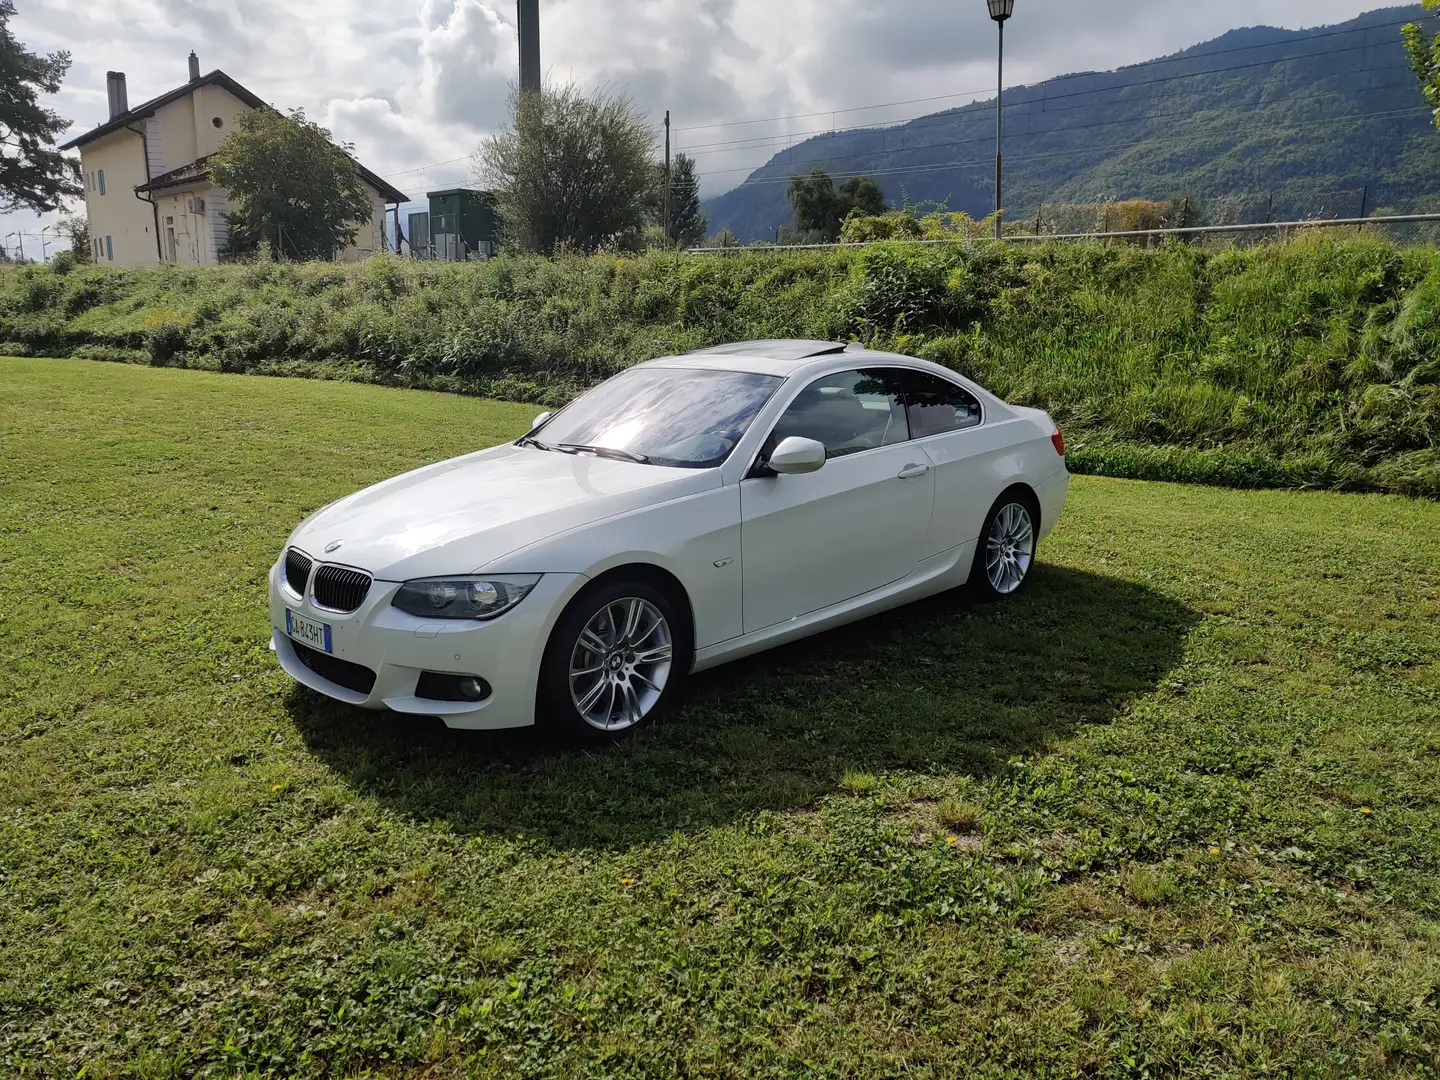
(1172, 810)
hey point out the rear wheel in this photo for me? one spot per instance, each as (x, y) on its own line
(615, 662)
(1007, 546)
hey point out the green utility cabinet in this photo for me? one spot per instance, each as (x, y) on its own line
(463, 225)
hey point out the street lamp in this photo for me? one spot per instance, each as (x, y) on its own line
(1000, 10)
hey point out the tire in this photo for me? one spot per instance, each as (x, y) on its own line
(598, 685)
(1005, 555)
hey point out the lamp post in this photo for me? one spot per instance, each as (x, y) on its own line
(1000, 10)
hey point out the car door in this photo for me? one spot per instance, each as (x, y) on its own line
(948, 426)
(857, 524)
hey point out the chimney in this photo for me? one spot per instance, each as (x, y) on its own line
(528, 22)
(194, 66)
(115, 87)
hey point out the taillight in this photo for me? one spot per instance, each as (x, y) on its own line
(1059, 441)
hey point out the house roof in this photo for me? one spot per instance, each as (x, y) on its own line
(196, 170)
(154, 105)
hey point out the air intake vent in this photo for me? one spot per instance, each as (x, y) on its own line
(352, 677)
(340, 589)
(297, 571)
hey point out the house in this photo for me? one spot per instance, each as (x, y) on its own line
(147, 186)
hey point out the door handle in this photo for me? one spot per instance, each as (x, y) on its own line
(912, 472)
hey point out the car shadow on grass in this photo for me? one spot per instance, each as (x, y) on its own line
(941, 686)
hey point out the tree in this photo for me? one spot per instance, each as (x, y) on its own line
(76, 229)
(571, 171)
(859, 194)
(688, 225)
(812, 198)
(291, 186)
(820, 211)
(1425, 59)
(33, 174)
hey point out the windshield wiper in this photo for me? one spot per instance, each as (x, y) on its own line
(530, 440)
(605, 452)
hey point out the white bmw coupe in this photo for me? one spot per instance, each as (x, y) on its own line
(689, 511)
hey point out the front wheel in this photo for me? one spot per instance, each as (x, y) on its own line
(1007, 546)
(616, 661)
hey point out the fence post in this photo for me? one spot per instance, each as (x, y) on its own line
(1364, 199)
(1039, 213)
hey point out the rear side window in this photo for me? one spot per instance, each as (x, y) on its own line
(936, 406)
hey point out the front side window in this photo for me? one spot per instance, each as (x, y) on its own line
(936, 406)
(678, 417)
(849, 413)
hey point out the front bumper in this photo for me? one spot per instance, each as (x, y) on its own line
(398, 647)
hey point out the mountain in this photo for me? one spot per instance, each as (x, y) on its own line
(1304, 123)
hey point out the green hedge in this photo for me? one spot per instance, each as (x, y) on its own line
(1313, 363)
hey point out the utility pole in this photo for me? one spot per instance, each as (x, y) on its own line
(667, 178)
(528, 28)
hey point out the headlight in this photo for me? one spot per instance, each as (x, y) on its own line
(464, 597)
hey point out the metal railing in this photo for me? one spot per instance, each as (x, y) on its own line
(1128, 234)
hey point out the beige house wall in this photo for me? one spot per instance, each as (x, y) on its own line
(370, 236)
(127, 220)
(194, 240)
(213, 103)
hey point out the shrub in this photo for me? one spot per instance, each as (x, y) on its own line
(1315, 362)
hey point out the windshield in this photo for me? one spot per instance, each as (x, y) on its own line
(688, 418)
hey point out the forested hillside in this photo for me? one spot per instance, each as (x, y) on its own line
(1279, 122)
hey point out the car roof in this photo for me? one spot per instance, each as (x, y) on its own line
(787, 359)
(771, 356)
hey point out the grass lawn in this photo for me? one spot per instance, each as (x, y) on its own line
(1174, 810)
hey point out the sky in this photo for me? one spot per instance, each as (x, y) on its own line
(416, 84)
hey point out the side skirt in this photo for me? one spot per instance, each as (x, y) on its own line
(937, 574)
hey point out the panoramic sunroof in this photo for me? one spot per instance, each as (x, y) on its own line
(775, 349)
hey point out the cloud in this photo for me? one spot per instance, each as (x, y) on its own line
(468, 56)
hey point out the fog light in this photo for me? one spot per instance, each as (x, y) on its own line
(436, 687)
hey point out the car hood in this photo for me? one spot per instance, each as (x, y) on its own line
(457, 516)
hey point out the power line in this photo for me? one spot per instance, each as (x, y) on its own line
(759, 144)
(1077, 150)
(1029, 103)
(758, 141)
(1057, 131)
(1177, 59)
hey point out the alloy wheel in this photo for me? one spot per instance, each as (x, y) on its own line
(1009, 548)
(621, 664)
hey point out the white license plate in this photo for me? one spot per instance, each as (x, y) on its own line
(308, 631)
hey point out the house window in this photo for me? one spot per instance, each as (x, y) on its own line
(109, 247)
(101, 177)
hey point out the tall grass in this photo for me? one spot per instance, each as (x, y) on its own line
(1315, 362)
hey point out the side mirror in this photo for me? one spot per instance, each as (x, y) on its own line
(796, 455)
(540, 420)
